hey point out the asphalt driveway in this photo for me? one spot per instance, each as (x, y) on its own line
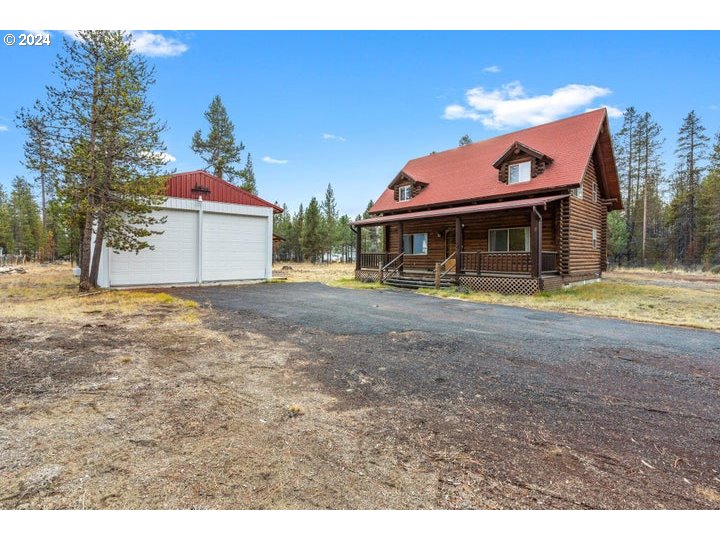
(511, 407)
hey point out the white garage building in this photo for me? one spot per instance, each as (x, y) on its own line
(214, 232)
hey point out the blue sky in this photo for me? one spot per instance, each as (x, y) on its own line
(350, 108)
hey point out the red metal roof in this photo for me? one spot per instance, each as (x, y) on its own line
(468, 209)
(467, 173)
(190, 185)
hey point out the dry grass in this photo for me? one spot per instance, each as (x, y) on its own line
(50, 293)
(694, 307)
(322, 273)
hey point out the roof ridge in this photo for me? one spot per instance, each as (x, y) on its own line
(529, 128)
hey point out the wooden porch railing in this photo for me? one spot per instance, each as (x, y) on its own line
(491, 262)
(391, 268)
(375, 260)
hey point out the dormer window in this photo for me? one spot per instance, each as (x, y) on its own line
(405, 193)
(519, 172)
(520, 163)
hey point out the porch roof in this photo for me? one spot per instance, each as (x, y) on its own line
(458, 210)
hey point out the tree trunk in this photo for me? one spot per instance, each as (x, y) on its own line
(85, 283)
(97, 251)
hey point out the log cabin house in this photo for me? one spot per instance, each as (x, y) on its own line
(517, 213)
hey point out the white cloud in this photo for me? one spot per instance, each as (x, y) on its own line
(148, 43)
(331, 137)
(151, 44)
(3, 128)
(613, 112)
(509, 106)
(492, 69)
(268, 159)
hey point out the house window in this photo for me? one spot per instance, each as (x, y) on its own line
(519, 172)
(594, 238)
(404, 193)
(594, 193)
(415, 244)
(515, 239)
(578, 191)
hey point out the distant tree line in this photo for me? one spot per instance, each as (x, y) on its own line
(317, 233)
(669, 218)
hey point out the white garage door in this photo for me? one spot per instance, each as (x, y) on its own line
(234, 247)
(174, 259)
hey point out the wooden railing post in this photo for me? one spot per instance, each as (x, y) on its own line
(380, 270)
(437, 275)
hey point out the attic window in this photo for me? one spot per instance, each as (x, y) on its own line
(405, 193)
(519, 172)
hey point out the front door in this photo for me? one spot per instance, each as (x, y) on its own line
(449, 248)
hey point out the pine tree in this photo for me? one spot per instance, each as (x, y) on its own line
(312, 237)
(617, 235)
(329, 222)
(649, 145)
(104, 150)
(465, 140)
(296, 232)
(218, 149)
(248, 175)
(6, 238)
(625, 144)
(25, 221)
(37, 158)
(709, 211)
(691, 152)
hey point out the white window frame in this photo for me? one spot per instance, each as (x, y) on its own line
(578, 191)
(405, 193)
(522, 167)
(412, 243)
(508, 229)
(594, 193)
(594, 239)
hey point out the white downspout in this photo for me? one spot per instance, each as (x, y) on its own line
(199, 241)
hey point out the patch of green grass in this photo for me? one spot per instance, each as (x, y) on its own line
(698, 308)
(352, 283)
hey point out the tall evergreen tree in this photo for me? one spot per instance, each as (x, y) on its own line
(465, 140)
(329, 222)
(248, 175)
(649, 146)
(625, 146)
(37, 158)
(709, 210)
(691, 152)
(312, 237)
(105, 152)
(296, 232)
(218, 149)
(26, 224)
(6, 238)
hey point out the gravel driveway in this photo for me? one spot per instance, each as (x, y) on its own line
(512, 408)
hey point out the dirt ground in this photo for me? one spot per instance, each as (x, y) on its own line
(141, 400)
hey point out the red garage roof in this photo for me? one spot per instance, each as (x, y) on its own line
(457, 210)
(191, 185)
(467, 173)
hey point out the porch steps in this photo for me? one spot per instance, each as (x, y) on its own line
(418, 282)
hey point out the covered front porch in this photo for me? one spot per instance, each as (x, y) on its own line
(481, 246)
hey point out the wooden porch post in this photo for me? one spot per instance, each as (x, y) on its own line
(458, 244)
(400, 237)
(358, 247)
(534, 255)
